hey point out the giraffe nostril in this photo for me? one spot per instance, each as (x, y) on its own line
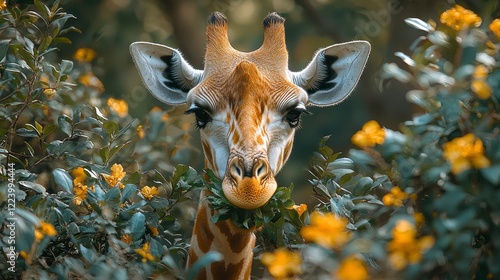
(235, 169)
(261, 168)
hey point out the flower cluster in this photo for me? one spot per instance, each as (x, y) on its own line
(300, 208)
(80, 190)
(370, 135)
(84, 55)
(352, 268)
(116, 176)
(479, 85)
(405, 248)
(465, 152)
(119, 106)
(326, 230)
(395, 197)
(283, 263)
(460, 18)
(44, 229)
(149, 192)
(495, 27)
(145, 253)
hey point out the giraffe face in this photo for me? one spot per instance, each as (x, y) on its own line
(247, 105)
(247, 123)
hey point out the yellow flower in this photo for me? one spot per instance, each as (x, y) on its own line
(149, 193)
(3, 5)
(44, 229)
(370, 135)
(126, 238)
(49, 93)
(395, 197)
(300, 208)
(84, 55)
(405, 248)
(481, 89)
(80, 193)
(90, 80)
(79, 175)
(119, 106)
(116, 176)
(479, 85)
(145, 253)
(464, 153)
(283, 263)
(352, 268)
(460, 18)
(326, 230)
(140, 132)
(495, 27)
(154, 231)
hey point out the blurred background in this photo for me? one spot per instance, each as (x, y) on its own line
(110, 26)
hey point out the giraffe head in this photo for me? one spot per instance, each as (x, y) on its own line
(248, 105)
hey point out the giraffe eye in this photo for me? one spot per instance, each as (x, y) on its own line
(202, 117)
(292, 117)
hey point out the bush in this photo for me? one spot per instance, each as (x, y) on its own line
(87, 190)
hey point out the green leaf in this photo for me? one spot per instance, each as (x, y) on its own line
(137, 225)
(419, 24)
(34, 186)
(206, 260)
(492, 174)
(66, 66)
(111, 127)
(24, 132)
(63, 179)
(64, 125)
(127, 192)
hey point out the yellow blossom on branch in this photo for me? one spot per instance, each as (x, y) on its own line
(464, 153)
(370, 135)
(283, 263)
(460, 18)
(479, 85)
(481, 89)
(495, 27)
(3, 5)
(145, 253)
(90, 80)
(44, 229)
(326, 230)
(80, 193)
(299, 208)
(84, 55)
(78, 175)
(126, 238)
(140, 132)
(149, 192)
(154, 231)
(405, 248)
(352, 268)
(119, 106)
(116, 176)
(395, 197)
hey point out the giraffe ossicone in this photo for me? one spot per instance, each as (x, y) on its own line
(247, 106)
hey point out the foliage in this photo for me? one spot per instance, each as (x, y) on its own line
(95, 194)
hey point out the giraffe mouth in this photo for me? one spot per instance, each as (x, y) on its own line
(249, 193)
(249, 189)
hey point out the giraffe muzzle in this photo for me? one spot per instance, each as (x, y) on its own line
(249, 186)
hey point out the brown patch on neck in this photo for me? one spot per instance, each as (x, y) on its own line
(231, 271)
(237, 239)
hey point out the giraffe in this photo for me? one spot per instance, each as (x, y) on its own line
(247, 106)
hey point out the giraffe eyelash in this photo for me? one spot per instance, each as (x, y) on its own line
(202, 117)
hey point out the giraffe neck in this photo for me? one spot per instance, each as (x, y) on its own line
(236, 245)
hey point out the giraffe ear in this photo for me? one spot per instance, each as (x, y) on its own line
(333, 73)
(164, 71)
